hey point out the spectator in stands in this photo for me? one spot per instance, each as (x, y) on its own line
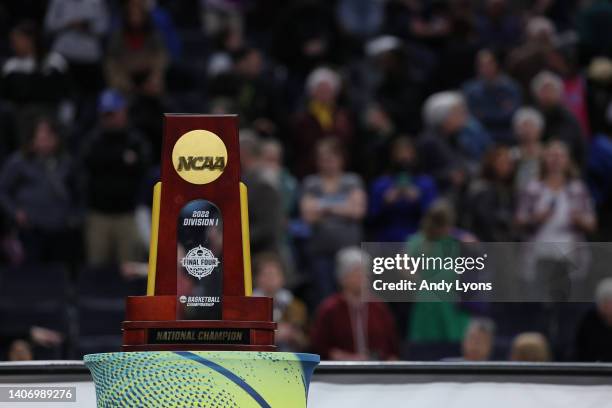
(479, 339)
(38, 192)
(163, 20)
(146, 111)
(493, 97)
(285, 184)
(559, 123)
(136, 51)
(599, 93)
(535, 54)
(595, 29)
(349, 327)
(527, 124)
(594, 334)
(265, 200)
(530, 347)
(20, 350)
(272, 160)
(497, 27)
(452, 144)
(600, 182)
(460, 50)
(20, 346)
(305, 36)
(562, 14)
(491, 198)
(79, 28)
(321, 118)
(227, 42)
(360, 19)
(33, 76)
(288, 311)
(415, 20)
(399, 76)
(253, 91)
(334, 204)
(114, 161)
(575, 89)
(440, 321)
(217, 15)
(399, 199)
(377, 133)
(558, 209)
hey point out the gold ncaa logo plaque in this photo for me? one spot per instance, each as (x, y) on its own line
(199, 156)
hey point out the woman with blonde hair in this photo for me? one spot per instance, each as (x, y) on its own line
(556, 212)
(530, 347)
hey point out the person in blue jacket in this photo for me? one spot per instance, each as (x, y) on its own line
(399, 198)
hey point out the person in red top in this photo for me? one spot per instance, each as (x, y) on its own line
(346, 327)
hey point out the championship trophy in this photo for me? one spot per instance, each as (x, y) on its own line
(198, 338)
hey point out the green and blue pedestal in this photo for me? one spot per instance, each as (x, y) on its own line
(207, 379)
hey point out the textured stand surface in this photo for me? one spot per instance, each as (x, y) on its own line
(223, 379)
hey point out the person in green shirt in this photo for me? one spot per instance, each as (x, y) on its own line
(436, 317)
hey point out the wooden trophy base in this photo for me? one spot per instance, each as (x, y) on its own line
(151, 325)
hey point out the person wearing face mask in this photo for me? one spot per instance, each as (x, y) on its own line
(399, 198)
(37, 193)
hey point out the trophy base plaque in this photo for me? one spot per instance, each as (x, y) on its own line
(151, 325)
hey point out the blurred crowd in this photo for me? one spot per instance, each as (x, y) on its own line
(431, 122)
